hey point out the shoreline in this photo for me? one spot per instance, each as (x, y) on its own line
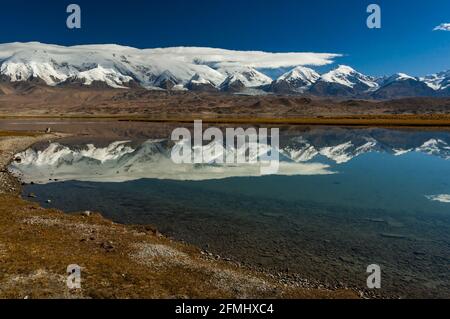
(439, 121)
(157, 251)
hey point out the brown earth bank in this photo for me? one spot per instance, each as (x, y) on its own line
(117, 261)
(29, 99)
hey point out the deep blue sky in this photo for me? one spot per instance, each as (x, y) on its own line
(405, 43)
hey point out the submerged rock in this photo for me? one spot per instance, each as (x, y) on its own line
(390, 235)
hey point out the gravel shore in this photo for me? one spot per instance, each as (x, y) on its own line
(10, 145)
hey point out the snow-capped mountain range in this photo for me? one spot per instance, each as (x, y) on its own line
(204, 69)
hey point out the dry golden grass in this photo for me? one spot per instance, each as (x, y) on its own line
(366, 120)
(405, 120)
(118, 261)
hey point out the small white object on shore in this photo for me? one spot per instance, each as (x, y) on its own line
(86, 213)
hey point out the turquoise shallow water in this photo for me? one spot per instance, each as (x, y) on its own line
(376, 209)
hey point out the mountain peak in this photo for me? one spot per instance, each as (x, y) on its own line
(437, 81)
(403, 76)
(347, 76)
(300, 72)
(298, 80)
(344, 69)
(397, 77)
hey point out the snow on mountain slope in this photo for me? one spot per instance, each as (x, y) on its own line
(117, 65)
(298, 79)
(347, 76)
(113, 64)
(398, 77)
(205, 69)
(438, 81)
(299, 73)
(248, 76)
(197, 83)
(403, 85)
(109, 76)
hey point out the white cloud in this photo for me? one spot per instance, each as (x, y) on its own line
(443, 198)
(255, 59)
(442, 27)
(214, 57)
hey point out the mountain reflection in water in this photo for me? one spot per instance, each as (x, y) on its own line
(346, 198)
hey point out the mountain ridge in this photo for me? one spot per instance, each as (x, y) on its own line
(203, 69)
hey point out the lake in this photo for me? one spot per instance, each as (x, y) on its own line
(344, 198)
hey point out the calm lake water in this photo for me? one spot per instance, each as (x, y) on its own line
(350, 198)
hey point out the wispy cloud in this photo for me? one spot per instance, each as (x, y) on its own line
(442, 27)
(255, 59)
